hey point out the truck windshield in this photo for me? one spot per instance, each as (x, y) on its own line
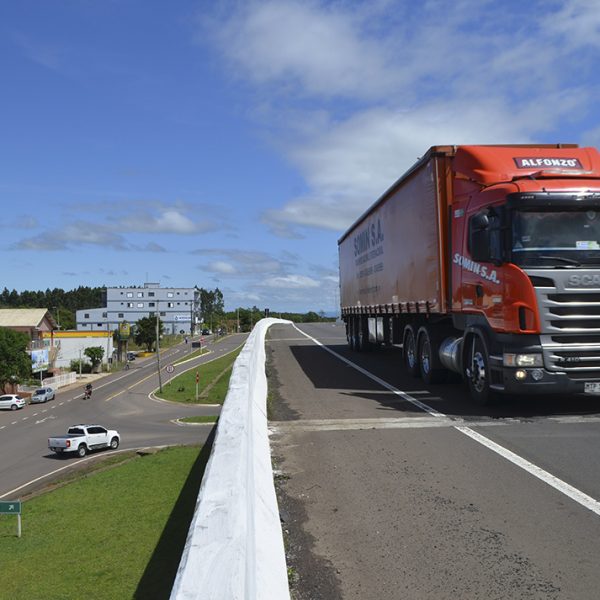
(556, 238)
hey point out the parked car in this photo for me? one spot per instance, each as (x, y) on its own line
(206, 332)
(11, 401)
(131, 355)
(42, 395)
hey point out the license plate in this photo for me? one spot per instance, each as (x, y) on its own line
(592, 387)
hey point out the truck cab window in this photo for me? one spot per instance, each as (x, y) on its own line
(562, 235)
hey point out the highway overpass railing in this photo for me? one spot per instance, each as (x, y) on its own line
(234, 549)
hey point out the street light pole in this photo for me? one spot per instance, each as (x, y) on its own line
(158, 347)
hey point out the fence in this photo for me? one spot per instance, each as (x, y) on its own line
(234, 549)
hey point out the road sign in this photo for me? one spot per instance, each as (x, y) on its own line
(10, 507)
(169, 368)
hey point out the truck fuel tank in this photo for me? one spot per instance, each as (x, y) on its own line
(450, 354)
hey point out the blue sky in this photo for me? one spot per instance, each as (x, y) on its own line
(230, 144)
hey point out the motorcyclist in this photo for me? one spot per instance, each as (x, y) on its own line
(88, 390)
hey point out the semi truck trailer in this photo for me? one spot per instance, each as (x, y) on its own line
(484, 261)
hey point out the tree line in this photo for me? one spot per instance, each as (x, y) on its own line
(62, 304)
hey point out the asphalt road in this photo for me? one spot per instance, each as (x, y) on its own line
(386, 498)
(121, 401)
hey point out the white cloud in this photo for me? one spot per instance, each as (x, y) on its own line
(403, 78)
(290, 281)
(240, 263)
(311, 48)
(171, 220)
(577, 21)
(220, 266)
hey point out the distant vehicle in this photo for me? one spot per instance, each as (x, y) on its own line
(84, 438)
(11, 401)
(206, 332)
(42, 395)
(131, 355)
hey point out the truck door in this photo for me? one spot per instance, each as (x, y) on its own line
(481, 285)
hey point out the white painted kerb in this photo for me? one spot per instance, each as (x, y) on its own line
(234, 549)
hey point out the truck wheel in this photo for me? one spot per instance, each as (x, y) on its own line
(114, 443)
(82, 451)
(477, 372)
(429, 362)
(409, 351)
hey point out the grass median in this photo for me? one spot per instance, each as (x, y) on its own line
(116, 532)
(213, 382)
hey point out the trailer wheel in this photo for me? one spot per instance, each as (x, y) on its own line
(431, 370)
(477, 372)
(410, 351)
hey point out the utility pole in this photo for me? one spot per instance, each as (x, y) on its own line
(158, 346)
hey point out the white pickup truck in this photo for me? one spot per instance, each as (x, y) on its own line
(83, 438)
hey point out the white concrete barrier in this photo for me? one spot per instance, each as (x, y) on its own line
(234, 549)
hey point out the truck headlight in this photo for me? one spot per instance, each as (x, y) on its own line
(523, 360)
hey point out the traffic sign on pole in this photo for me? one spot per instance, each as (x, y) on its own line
(12, 507)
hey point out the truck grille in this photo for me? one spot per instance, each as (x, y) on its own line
(570, 322)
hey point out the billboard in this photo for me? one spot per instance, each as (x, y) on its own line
(39, 360)
(124, 330)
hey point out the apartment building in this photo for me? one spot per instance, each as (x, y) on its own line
(179, 308)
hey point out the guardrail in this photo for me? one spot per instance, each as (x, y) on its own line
(234, 548)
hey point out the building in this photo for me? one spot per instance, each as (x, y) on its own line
(34, 323)
(66, 346)
(178, 308)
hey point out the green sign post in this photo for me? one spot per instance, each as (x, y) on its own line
(12, 507)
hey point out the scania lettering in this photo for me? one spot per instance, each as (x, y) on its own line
(483, 260)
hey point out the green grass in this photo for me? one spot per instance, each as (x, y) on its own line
(212, 387)
(115, 533)
(201, 419)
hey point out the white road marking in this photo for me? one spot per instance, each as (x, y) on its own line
(554, 482)
(45, 419)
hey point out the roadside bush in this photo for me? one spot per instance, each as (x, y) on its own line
(86, 367)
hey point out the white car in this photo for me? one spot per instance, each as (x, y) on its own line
(11, 401)
(42, 395)
(82, 439)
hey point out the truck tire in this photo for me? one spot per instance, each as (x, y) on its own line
(477, 372)
(82, 451)
(410, 352)
(114, 443)
(432, 370)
